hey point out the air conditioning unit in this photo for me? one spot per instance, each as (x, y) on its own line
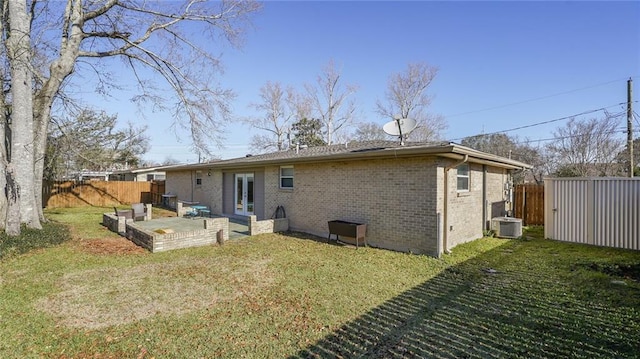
(507, 227)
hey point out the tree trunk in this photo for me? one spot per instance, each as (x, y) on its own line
(3, 169)
(20, 176)
(4, 160)
(59, 69)
(42, 104)
(42, 113)
(12, 190)
(41, 122)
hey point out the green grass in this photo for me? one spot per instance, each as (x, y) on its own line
(294, 296)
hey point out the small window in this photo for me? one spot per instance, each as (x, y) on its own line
(198, 178)
(463, 178)
(286, 177)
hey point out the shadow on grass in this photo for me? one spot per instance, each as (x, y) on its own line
(30, 239)
(470, 310)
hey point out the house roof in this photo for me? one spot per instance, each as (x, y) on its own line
(356, 151)
(139, 170)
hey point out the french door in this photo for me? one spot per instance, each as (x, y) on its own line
(244, 194)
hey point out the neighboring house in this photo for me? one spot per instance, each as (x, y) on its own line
(138, 174)
(86, 175)
(415, 198)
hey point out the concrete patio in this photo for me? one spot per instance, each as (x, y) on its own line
(168, 233)
(237, 228)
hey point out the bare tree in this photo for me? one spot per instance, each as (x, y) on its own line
(331, 101)
(279, 108)
(93, 141)
(406, 97)
(369, 131)
(504, 145)
(496, 143)
(48, 41)
(536, 156)
(623, 158)
(586, 148)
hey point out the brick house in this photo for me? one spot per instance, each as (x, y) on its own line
(419, 198)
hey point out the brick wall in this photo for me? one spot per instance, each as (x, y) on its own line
(398, 199)
(465, 208)
(275, 196)
(497, 198)
(465, 215)
(267, 225)
(209, 193)
(394, 197)
(113, 223)
(179, 183)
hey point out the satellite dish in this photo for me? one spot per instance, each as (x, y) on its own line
(400, 127)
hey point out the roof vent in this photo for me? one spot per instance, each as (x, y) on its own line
(248, 155)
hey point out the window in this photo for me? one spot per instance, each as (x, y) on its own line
(463, 178)
(286, 177)
(198, 178)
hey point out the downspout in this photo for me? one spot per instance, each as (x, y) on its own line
(191, 174)
(484, 198)
(445, 230)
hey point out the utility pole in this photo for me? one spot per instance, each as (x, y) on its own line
(630, 125)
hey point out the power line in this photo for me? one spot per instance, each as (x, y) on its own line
(618, 130)
(542, 122)
(535, 99)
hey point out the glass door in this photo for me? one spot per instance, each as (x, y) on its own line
(244, 194)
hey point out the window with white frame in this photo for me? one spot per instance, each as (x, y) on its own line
(463, 178)
(286, 177)
(198, 178)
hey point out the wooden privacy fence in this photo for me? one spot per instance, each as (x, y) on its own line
(157, 190)
(95, 193)
(529, 204)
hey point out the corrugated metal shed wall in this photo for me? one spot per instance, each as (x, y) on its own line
(599, 211)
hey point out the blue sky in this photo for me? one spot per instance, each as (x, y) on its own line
(501, 65)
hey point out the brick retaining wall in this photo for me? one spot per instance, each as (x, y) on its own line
(159, 242)
(115, 224)
(267, 225)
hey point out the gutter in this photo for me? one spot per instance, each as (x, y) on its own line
(449, 151)
(445, 235)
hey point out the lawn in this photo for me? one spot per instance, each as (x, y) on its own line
(272, 296)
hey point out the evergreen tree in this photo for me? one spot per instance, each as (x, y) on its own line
(308, 132)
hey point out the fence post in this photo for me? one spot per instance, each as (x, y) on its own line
(590, 210)
(548, 208)
(525, 220)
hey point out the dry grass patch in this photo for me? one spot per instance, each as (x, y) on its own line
(99, 298)
(109, 246)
